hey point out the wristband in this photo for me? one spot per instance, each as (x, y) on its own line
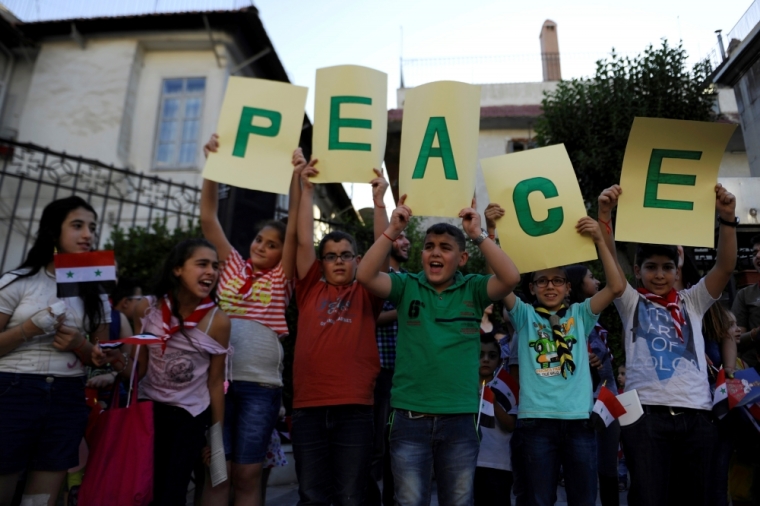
(23, 334)
(607, 225)
(84, 341)
(389, 237)
(729, 223)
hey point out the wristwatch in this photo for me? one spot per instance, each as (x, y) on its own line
(479, 239)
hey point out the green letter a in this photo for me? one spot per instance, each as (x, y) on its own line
(246, 128)
(436, 127)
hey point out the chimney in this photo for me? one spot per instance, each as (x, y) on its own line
(550, 51)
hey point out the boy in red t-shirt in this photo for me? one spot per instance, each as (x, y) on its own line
(336, 360)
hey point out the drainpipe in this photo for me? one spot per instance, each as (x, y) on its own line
(720, 44)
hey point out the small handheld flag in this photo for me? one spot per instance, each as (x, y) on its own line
(607, 408)
(506, 390)
(487, 417)
(720, 397)
(76, 273)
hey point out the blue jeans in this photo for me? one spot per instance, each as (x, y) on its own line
(448, 444)
(250, 413)
(332, 446)
(540, 446)
(670, 457)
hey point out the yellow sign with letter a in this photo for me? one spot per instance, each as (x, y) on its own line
(542, 201)
(350, 123)
(439, 147)
(668, 180)
(259, 127)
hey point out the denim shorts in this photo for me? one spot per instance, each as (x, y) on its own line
(250, 413)
(42, 422)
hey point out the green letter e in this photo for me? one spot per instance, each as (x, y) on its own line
(246, 128)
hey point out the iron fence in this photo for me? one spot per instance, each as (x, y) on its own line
(32, 176)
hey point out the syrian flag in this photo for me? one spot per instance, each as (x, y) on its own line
(505, 390)
(138, 340)
(77, 273)
(720, 397)
(606, 409)
(486, 418)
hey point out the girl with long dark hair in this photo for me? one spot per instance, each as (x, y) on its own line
(44, 345)
(184, 375)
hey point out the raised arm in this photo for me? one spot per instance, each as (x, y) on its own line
(725, 260)
(380, 217)
(615, 285)
(608, 200)
(506, 276)
(291, 235)
(212, 229)
(373, 269)
(305, 254)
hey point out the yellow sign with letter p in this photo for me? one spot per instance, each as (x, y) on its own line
(668, 178)
(259, 127)
(542, 202)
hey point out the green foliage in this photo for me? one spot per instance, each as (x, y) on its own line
(140, 251)
(593, 117)
(415, 232)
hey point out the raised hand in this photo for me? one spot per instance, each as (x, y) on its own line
(212, 146)
(400, 218)
(589, 226)
(379, 186)
(608, 199)
(471, 221)
(725, 203)
(298, 161)
(308, 172)
(493, 212)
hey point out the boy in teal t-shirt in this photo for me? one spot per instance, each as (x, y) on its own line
(435, 385)
(555, 383)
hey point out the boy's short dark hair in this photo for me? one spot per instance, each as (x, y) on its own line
(645, 251)
(447, 228)
(126, 287)
(755, 240)
(336, 236)
(489, 338)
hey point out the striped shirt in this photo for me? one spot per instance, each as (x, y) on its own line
(269, 297)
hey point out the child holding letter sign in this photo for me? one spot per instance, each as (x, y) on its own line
(556, 398)
(669, 449)
(435, 384)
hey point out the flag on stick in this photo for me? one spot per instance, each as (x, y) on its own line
(505, 389)
(720, 397)
(607, 408)
(77, 273)
(487, 417)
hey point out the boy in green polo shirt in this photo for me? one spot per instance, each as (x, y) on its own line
(435, 393)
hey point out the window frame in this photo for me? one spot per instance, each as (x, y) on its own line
(183, 96)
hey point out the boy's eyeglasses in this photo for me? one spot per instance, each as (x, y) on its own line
(491, 355)
(544, 282)
(332, 257)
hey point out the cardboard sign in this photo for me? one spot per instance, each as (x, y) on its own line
(259, 127)
(439, 147)
(350, 123)
(542, 201)
(668, 179)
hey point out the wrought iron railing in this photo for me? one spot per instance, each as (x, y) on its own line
(32, 176)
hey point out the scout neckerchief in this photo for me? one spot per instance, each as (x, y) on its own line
(250, 276)
(563, 350)
(190, 322)
(669, 302)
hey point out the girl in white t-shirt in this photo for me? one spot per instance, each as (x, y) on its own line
(44, 346)
(255, 294)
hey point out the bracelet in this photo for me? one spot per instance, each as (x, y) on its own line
(729, 223)
(125, 362)
(84, 341)
(379, 206)
(607, 225)
(492, 237)
(389, 237)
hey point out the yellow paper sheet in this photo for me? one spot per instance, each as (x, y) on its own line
(440, 119)
(542, 201)
(675, 204)
(259, 127)
(350, 123)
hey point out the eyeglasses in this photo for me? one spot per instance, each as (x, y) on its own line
(544, 282)
(491, 355)
(332, 257)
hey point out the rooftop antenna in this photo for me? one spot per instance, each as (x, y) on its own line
(401, 57)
